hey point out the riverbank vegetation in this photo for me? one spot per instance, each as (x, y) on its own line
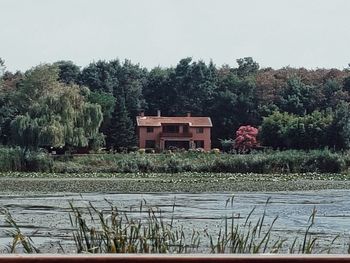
(273, 162)
(292, 161)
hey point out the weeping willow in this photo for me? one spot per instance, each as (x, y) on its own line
(53, 114)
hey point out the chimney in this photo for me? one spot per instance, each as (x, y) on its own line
(142, 113)
(188, 114)
(158, 113)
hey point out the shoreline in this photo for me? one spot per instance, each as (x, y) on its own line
(176, 183)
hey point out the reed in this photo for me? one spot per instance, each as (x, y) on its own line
(21, 243)
(291, 161)
(144, 229)
(117, 232)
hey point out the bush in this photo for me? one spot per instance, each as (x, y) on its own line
(18, 159)
(150, 150)
(141, 151)
(283, 130)
(38, 162)
(215, 151)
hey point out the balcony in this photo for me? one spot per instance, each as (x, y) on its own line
(176, 134)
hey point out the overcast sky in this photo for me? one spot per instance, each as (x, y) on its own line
(276, 33)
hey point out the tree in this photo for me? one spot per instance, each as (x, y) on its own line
(69, 73)
(8, 107)
(273, 129)
(309, 132)
(346, 84)
(131, 80)
(247, 66)
(246, 138)
(296, 98)
(2, 68)
(188, 87)
(120, 133)
(233, 104)
(53, 114)
(7, 114)
(340, 128)
(158, 91)
(120, 79)
(283, 130)
(98, 76)
(107, 102)
(333, 93)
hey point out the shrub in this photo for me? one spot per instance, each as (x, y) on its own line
(141, 151)
(38, 162)
(246, 138)
(18, 159)
(227, 144)
(215, 151)
(150, 150)
(283, 130)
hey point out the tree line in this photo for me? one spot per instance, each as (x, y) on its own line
(64, 105)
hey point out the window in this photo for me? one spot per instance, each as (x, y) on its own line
(171, 128)
(199, 130)
(150, 144)
(199, 144)
(185, 129)
(149, 129)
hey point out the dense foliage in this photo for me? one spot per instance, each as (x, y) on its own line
(294, 108)
(246, 138)
(42, 112)
(292, 161)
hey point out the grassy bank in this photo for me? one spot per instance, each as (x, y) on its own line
(262, 163)
(320, 161)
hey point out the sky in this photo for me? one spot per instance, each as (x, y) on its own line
(276, 33)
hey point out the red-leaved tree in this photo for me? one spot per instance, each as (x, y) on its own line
(246, 138)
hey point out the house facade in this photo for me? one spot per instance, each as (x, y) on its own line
(186, 132)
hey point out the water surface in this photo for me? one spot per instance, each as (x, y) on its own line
(45, 216)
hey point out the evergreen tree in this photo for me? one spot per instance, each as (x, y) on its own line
(121, 132)
(69, 73)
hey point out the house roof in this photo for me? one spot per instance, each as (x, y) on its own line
(158, 121)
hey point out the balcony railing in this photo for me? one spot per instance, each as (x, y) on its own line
(176, 134)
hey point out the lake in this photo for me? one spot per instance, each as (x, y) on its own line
(45, 218)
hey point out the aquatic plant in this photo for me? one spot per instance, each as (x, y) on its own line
(144, 229)
(20, 241)
(116, 231)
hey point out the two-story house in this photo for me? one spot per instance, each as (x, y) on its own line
(181, 132)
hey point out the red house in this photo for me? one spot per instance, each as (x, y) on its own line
(187, 132)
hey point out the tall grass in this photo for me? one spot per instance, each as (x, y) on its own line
(146, 230)
(20, 242)
(321, 161)
(19, 159)
(117, 232)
